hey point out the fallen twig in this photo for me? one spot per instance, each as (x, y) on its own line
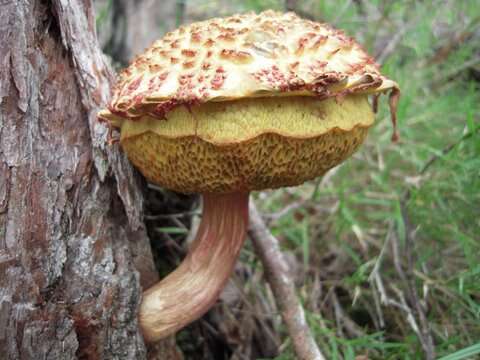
(395, 40)
(445, 151)
(426, 337)
(276, 271)
(343, 320)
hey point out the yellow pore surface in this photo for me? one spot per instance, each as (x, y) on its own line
(248, 144)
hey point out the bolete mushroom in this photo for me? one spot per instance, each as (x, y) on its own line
(231, 105)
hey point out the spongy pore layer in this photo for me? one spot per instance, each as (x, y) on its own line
(249, 144)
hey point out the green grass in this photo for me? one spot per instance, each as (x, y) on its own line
(440, 104)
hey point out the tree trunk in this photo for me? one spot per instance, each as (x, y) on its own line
(74, 253)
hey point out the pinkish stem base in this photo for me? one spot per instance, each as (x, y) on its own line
(188, 292)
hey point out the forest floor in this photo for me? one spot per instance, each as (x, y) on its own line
(385, 248)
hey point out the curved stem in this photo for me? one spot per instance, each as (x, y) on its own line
(188, 292)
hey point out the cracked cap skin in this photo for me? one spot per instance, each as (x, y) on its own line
(246, 102)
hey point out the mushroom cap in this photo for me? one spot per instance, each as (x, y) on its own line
(270, 100)
(247, 55)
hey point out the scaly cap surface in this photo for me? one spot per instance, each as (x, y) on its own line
(243, 56)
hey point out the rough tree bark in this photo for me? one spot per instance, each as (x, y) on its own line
(74, 253)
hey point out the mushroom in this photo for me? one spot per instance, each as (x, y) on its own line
(232, 105)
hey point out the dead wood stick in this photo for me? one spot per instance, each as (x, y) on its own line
(276, 271)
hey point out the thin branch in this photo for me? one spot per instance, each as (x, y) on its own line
(395, 40)
(343, 320)
(426, 337)
(443, 77)
(276, 270)
(447, 149)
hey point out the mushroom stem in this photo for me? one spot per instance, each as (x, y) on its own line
(188, 292)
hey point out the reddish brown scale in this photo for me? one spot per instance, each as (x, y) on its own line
(371, 61)
(196, 37)
(128, 105)
(218, 78)
(152, 83)
(267, 25)
(156, 81)
(226, 37)
(317, 67)
(163, 75)
(119, 90)
(161, 109)
(188, 64)
(174, 60)
(272, 77)
(295, 83)
(164, 53)
(209, 53)
(185, 94)
(209, 43)
(340, 35)
(175, 44)
(142, 60)
(292, 83)
(234, 20)
(301, 46)
(355, 68)
(333, 52)
(138, 99)
(155, 68)
(349, 42)
(321, 83)
(184, 79)
(321, 39)
(134, 84)
(294, 66)
(188, 52)
(206, 66)
(125, 73)
(203, 92)
(236, 56)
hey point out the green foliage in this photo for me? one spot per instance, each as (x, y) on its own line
(349, 229)
(437, 162)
